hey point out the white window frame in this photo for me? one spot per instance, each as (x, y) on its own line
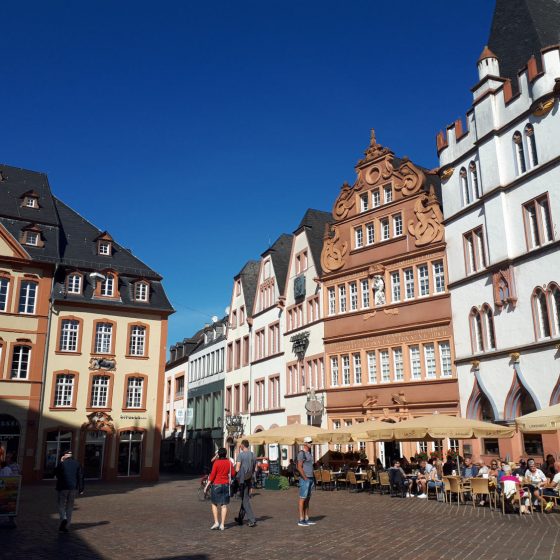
(108, 285)
(331, 295)
(103, 338)
(64, 390)
(397, 225)
(370, 233)
(409, 288)
(358, 237)
(69, 335)
(375, 198)
(415, 362)
(334, 371)
(364, 284)
(137, 342)
(28, 297)
(385, 229)
(372, 367)
(342, 307)
(364, 202)
(430, 360)
(357, 369)
(445, 358)
(99, 397)
(141, 291)
(438, 272)
(134, 392)
(387, 194)
(398, 364)
(385, 366)
(353, 296)
(4, 293)
(22, 362)
(345, 369)
(423, 280)
(74, 284)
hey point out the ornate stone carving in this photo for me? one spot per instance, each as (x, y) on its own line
(379, 289)
(428, 227)
(399, 398)
(102, 363)
(515, 357)
(374, 150)
(503, 283)
(99, 421)
(393, 311)
(408, 179)
(475, 364)
(370, 315)
(378, 173)
(344, 202)
(332, 255)
(446, 175)
(375, 270)
(542, 108)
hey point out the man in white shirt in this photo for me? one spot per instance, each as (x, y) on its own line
(537, 480)
(553, 488)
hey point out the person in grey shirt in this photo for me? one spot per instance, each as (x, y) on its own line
(306, 481)
(245, 467)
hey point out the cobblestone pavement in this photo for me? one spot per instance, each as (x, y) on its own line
(166, 521)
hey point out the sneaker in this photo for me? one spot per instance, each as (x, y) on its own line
(252, 524)
(303, 523)
(422, 496)
(408, 495)
(548, 507)
(215, 526)
(536, 503)
(309, 522)
(221, 527)
(482, 503)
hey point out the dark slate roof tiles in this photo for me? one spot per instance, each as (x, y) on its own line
(315, 221)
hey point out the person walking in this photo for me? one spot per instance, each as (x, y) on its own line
(69, 480)
(220, 477)
(306, 482)
(245, 467)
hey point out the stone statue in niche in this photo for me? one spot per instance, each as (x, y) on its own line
(379, 289)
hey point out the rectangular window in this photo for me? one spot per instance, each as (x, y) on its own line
(365, 293)
(334, 371)
(4, 288)
(100, 391)
(141, 291)
(385, 230)
(358, 237)
(342, 298)
(423, 280)
(445, 359)
(372, 367)
(538, 223)
(74, 284)
(370, 231)
(353, 296)
(375, 198)
(104, 248)
(20, 362)
(137, 342)
(415, 364)
(108, 285)
(430, 361)
(346, 370)
(64, 390)
(332, 301)
(364, 202)
(409, 283)
(398, 364)
(397, 225)
(69, 335)
(439, 277)
(395, 286)
(388, 194)
(103, 338)
(357, 369)
(474, 250)
(27, 297)
(180, 387)
(385, 367)
(134, 392)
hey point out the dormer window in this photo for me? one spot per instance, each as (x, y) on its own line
(31, 236)
(104, 247)
(30, 199)
(108, 285)
(141, 291)
(74, 283)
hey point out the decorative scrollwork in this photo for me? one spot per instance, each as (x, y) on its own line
(332, 255)
(428, 227)
(344, 202)
(542, 108)
(408, 179)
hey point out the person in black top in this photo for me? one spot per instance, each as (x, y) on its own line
(449, 466)
(69, 480)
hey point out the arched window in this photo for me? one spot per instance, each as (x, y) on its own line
(465, 192)
(519, 153)
(554, 300)
(486, 412)
(474, 179)
(489, 324)
(541, 315)
(531, 146)
(108, 285)
(476, 331)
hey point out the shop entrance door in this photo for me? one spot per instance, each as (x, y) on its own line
(94, 451)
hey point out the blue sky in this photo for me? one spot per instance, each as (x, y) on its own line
(197, 132)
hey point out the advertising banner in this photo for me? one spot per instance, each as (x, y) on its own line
(10, 487)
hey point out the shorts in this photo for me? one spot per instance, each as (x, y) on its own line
(550, 492)
(220, 494)
(305, 487)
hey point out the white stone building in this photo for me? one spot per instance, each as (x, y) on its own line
(501, 202)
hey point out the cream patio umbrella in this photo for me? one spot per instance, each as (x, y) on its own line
(372, 430)
(546, 420)
(295, 433)
(440, 426)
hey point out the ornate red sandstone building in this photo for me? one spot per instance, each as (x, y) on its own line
(388, 334)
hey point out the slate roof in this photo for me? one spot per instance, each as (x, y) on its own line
(249, 277)
(520, 29)
(280, 255)
(314, 222)
(69, 241)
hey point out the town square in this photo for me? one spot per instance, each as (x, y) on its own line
(280, 279)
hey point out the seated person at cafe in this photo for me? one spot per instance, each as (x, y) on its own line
(521, 469)
(483, 469)
(549, 467)
(494, 470)
(449, 466)
(552, 489)
(536, 481)
(423, 476)
(509, 484)
(398, 479)
(468, 470)
(435, 478)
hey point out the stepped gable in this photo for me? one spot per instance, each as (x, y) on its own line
(315, 222)
(280, 254)
(520, 29)
(249, 277)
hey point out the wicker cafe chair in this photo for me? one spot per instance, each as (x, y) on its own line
(457, 487)
(516, 498)
(326, 480)
(481, 487)
(352, 481)
(436, 490)
(384, 482)
(372, 480)
(318, 477)
(446, 489)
